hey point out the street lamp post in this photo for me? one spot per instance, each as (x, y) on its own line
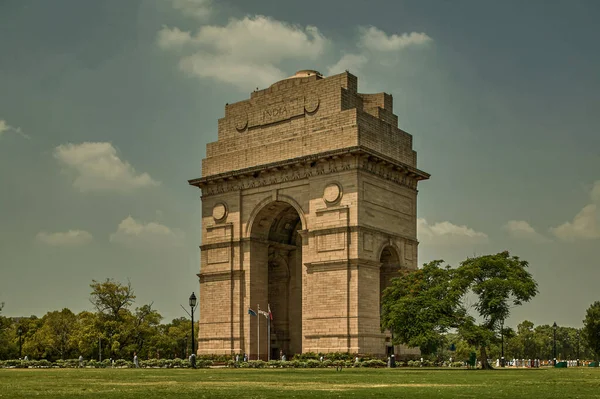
(578, 331)
(554, 345)
(20, 331)
(502, 337)
(192, 306)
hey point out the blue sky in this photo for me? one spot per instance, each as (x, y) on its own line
(107, 107)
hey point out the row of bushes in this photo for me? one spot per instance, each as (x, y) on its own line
(429, 363)
(107, 363)
(308, 364)
(312, 363)
(204, 363)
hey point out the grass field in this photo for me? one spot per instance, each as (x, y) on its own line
(299, 383)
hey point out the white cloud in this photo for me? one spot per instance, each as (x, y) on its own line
(6, 128)
(134, 234)
(522, 230)
(248, 52)
(374, 46)
(71, 238)
(595, 192)
(349, 62)
(173, 38)
(225, 69)
(200, 9)
(449, 233)
(97, 167)
(584, 226)
(244, 52)
(377, 40)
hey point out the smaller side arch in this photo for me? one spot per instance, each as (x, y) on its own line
(388, 244)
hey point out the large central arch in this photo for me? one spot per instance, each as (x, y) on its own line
(276, 278)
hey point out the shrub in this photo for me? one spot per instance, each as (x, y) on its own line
(43, 363)
(340, 356)
(373, 363)
(274, 364)
(286, 364)
(306, 356)
(203, 364)
(216, 358)
(123, 363)
(256, 364)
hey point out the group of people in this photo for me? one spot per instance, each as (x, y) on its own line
(535, 363)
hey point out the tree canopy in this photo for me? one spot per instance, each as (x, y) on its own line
(420, 306)
(591, 328)
(498, 283)
(111, 297)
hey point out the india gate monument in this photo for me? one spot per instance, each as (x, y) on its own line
(309, 202)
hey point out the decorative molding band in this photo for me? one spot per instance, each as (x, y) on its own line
(220, 276)
(312, 165)
(312, 233)
(337, 264)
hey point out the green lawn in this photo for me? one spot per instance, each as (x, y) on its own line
(299, 383)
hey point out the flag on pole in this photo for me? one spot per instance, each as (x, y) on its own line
(270, 314)
(251, 312)
(262, 312)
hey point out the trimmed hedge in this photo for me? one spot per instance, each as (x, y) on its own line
(204, 362)
(119, 363)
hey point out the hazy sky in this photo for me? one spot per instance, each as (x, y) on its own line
(106, 108)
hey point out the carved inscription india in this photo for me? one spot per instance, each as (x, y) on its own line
(282, 111)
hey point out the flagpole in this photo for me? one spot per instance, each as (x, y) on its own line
(249, 320)
(258, 334)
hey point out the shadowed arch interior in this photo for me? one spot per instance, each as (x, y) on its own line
(279, 250)
(390, 268)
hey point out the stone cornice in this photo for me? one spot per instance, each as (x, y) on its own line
(353, 263)
(312, 165)
(307, 234)
(220, 275)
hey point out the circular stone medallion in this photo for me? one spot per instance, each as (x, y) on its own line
(332, 193)
(241, 121)
(219, 212)
(311, 103)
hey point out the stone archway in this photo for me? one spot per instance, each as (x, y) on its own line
(276, 278)
(300, 154)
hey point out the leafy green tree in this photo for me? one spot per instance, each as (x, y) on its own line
(591, 328)
(111, 298)
(32, 347)
(54, 335)
(86, 334)
(498, 283)
(145, 330)
(9, 339)
(420, 306)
